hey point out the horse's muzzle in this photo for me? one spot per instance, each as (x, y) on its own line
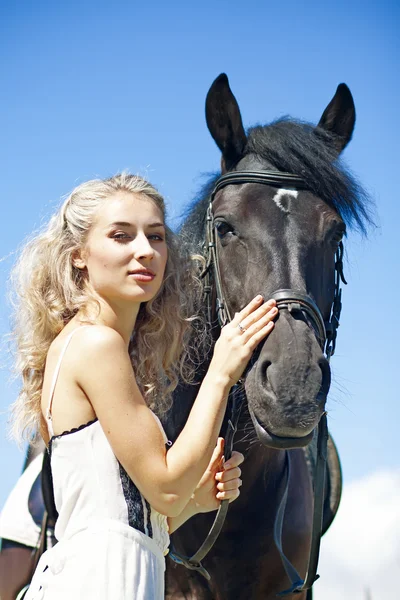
(277, 442)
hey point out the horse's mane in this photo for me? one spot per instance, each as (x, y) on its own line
(193, 224)
(302, 149)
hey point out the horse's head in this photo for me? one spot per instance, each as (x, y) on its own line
(271, 237)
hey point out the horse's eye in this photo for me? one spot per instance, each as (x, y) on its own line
(337, 236)
(223, 228)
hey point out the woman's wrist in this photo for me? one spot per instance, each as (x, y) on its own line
(218, 379)
(196, 508)
(188, 512)
(192, 506)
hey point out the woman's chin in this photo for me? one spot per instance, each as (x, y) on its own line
(142, 293)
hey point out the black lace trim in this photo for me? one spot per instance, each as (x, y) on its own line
(149, 526)
(134, 504)
(69, 431)
(133, 500)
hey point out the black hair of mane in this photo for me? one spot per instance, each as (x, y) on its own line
(193, 225)
(300, 148)
(303, 149)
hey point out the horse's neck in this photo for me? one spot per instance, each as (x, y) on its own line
(183, 400)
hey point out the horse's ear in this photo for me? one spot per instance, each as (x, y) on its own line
(224, 121)
(339, 117)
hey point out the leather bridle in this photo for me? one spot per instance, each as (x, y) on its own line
(292, 300)
(326, 332)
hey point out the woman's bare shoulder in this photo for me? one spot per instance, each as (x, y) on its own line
(99, 348)
(100, 334)
(85, 360)
(97, 343)
(92, 339)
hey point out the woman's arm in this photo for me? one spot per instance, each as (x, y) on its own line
(166, 479)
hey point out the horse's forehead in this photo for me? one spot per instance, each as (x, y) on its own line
(265, 203)
(299, 203)
(282, 198)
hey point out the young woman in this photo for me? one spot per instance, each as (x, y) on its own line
(103, 321)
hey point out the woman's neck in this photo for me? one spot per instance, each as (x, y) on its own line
(122, 318)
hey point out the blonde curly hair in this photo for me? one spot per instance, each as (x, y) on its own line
(47, 290)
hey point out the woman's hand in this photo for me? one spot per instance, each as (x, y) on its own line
(240, 337)
(220, 481)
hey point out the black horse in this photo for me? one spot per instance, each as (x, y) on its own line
(269, 237)
(282, 235)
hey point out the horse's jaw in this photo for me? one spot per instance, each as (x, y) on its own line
(277, 442)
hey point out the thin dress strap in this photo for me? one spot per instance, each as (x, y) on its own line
(53, 384)
(166, 440)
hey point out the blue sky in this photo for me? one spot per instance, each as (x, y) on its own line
(91, 88)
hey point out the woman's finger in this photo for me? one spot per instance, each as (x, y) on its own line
(256, 326)
(231, 496)
(264, 311)
(226, 486)
(235, 460)
(228, 475)
(259, 335)
(251, 307)
(215, 462)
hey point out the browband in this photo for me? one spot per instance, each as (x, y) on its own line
(266, 177)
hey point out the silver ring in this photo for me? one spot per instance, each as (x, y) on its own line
(242, 329)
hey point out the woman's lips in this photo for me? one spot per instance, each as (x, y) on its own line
(144, 276)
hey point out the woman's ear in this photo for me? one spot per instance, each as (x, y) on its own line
(77, 260)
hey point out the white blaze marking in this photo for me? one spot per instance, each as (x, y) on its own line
(284, 192)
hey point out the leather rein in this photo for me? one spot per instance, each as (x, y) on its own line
(326, 332)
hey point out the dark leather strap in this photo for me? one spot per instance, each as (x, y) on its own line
(319, 486)
(298, 585)
(294, 301)
(291, 572)
(275, 178)
(194, 562)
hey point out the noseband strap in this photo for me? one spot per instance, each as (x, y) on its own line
(295, 301)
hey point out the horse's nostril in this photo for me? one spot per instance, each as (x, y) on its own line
(264, 373)
(326, 377)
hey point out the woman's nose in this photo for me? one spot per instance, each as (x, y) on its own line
(143, 247)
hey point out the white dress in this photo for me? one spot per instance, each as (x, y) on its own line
(111, 542)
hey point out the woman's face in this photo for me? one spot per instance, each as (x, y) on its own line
(126, 252)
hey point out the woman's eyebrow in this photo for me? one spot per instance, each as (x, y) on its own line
(156, 225)
(127, 224)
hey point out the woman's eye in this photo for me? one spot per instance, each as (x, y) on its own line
(223, 228)
(120, 236)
